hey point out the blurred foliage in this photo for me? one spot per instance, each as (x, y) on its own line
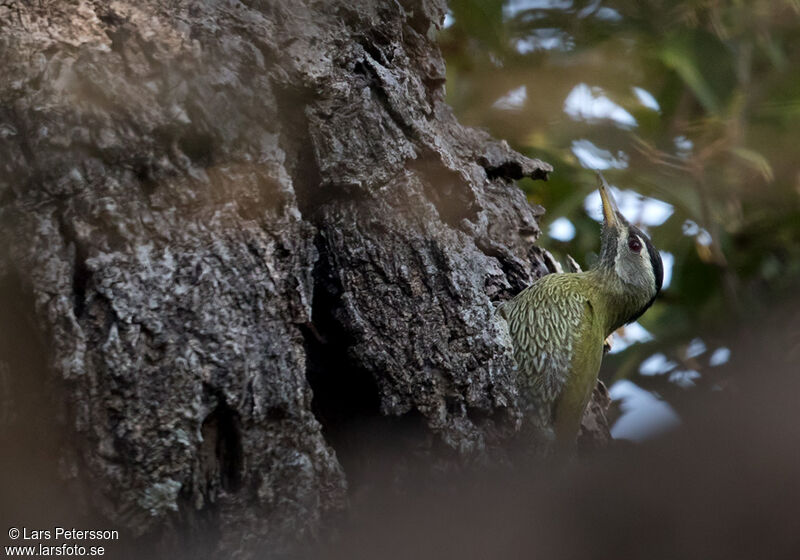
(719, 144)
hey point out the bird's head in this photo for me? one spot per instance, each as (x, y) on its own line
(628, 257)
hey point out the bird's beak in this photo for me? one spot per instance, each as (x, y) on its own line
(610, 210)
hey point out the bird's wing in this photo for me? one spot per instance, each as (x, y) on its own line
(545, 322)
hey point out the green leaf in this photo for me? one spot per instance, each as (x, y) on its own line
(481, 19)
(679, 57)
(755, 161)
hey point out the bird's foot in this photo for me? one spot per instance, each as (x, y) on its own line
(607, 344)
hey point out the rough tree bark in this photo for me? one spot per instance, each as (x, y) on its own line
(237, 229)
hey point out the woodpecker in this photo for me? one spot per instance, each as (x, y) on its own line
(559, 324)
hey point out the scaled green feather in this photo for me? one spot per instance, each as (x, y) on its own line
(558, 344)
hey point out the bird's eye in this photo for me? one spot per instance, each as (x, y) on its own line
(634, 244)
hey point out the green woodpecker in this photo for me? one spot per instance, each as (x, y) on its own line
(559, 324)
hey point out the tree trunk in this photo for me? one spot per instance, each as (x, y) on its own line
(233, 232)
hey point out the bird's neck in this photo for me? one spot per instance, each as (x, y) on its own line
(619, 301)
